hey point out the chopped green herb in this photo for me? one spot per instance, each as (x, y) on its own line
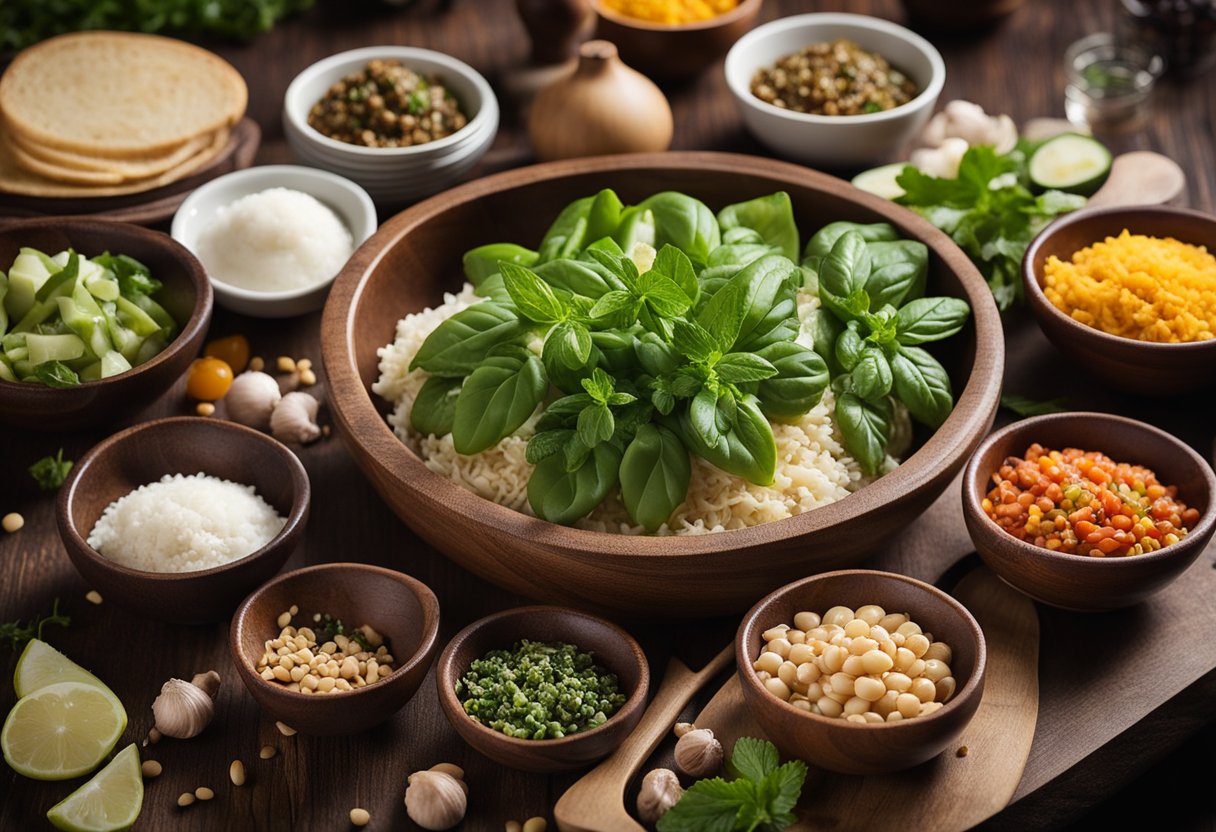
(1024, 406)
(18, 634)
(50, 471)
(56, 374)
(761, 797)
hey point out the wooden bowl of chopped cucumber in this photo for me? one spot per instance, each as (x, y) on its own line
(97, 319)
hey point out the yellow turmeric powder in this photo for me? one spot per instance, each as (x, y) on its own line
(1146, 288)
(671, 12)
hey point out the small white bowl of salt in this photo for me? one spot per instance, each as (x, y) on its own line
(273, 238)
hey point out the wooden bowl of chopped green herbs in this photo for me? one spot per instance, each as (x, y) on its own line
(97, 319)
(543, 688)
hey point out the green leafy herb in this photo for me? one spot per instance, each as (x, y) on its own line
(56, 374)
(18, 634)
(761, 797)
(1024, 406)
(50, 471)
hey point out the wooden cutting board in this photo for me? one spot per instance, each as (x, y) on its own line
(950, 792)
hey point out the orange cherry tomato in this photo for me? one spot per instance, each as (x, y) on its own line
(208, 379)
(233, 350)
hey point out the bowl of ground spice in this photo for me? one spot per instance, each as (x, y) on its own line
(834, 90)
(1088, 511)
(1129, 294)
(542, 688)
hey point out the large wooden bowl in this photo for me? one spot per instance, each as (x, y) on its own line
(415, 257)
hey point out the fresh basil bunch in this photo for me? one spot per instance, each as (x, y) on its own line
(690, 352)
(869, 328)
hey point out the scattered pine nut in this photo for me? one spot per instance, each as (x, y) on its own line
(285, 730)
(150, 768)
(304, 364)
(267, 752)
(236, 773)
(153, 736)
(308, 378)
(962, 751)
(256, 364)
(514, 826)
(12, 522)
(535, 825)
(294, 610)
(285, 364)
(205, 409)
(93, 596)
(204, 793)
(360, 817)
(284, 619)
(185, 799)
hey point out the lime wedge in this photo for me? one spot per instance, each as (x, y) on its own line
(107, 803)
(61, 731)
(41, 665)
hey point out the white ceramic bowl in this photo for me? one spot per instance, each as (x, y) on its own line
(346, 199)
(394, 174)
(835, 141)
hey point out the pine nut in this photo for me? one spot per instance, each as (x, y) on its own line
(12, 522)
(205, 409)
(267, 752)
(150, 769)
(360, 817)
(204, 793)
(284, 619)
(93, 596)
(285, 364)
(535, 825)
(236, 773)
(185, 799)
(308, 378)
(285, 730)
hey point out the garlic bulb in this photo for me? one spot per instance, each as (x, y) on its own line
(294, 419)
(435, 799)
(698, 753)
(967, 121)
(660, 791)
(251, 399)
(602, 107)
(183, 709)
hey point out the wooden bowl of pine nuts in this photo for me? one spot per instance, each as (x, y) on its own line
(335, 648)
(837, 635)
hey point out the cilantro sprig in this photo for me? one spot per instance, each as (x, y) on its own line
(18, 634)
(761, 797)
(50, 471)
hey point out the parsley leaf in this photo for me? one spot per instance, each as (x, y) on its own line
(50, 471)
(17, 634)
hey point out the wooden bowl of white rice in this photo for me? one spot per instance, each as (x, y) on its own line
(728, 544)
(147, 532)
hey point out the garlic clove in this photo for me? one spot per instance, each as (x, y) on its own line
(182, 709)
(660, 791)
(698, 753)
(294, 419)
(252, 398)
(435, 799)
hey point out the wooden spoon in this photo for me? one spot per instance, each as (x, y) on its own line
(596, 803)
(1141, 177)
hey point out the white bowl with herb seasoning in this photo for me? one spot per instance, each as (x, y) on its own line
(401, 121)
(872, 85)
(273, 238)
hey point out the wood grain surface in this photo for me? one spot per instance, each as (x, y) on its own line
(950, 792)
(1085, 749)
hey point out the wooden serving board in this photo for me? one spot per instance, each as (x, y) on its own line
(949, 792)
(149, 207)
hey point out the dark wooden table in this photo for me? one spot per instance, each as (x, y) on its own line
(313, 783)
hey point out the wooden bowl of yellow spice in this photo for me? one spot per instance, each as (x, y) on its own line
(1128, 295)
(673, 39)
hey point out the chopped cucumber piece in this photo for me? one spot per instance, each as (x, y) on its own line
(113, 363)
(135, 318)
(151, 346)
(3, 310)
(101, 286)
(880, 181)
(6, 371)
(92, 372)
(1070, 162)
(29, 271)
(61, 282)
(21, 353)
(53, 347)
(12, 341)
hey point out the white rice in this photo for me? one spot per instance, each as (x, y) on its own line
(184, 524)
(813, 468)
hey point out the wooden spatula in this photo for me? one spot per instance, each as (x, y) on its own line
(596, 803)
(1141, 177)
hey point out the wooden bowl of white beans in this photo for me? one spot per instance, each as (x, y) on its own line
(861, 672)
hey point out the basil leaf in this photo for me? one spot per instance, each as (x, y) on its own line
(569, 344)
(662, 399)
(923, 385)
(748, 450)
(595, 425)
(494, 288)
(481, 262)
(828, 329)
(931, 319)
(726, 411)
(848, 347)
(684, 222)
(637, 226)
(687, 381)
(534, 298)
(655, 355)
(723, 316)
(604, 215)
(615, 302)
(620, 267)
(56, 374)
(693, 341)
(561, 496)
(779, 324)
(865, 428)
(574, 454)
(571, 381)
(497, 398)
(898, 271)
(434, 408)
(761, 286)
(577, 277)
(739, 235)
(825, 239)
(568, 233)
(737, 367)
(846, 267)
(675, 265)
(703, 416)
(654, 475)
(801, 378)
(772, 217)
(459, 344)
(872, 377)
(599, 386)
(546, 443)
(662, 295)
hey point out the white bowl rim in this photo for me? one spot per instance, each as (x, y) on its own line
(365, 226)
(930, 93)
(488, 103)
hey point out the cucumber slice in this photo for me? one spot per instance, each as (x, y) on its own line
(53, 347)
(1070, 162)
(113, 363)
(29, 271)
(880, 181)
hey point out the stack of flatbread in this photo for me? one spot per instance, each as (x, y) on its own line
(111, 113)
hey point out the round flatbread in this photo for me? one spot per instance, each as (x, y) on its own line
(119, 95)
(136, 167)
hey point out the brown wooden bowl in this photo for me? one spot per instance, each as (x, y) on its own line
(415, 257)
(848, 747)
(186, 296)
(1080, 582)
(400, 608)
(613, 649)
(673, 52)
(1140, 367)
(181, 445)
